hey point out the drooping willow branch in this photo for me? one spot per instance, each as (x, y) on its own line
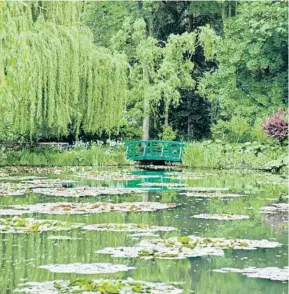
(52, 75)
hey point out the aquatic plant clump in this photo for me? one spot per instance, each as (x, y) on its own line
(139, 228)
(87, 268)
(30, 225)
(84, 208)
(186, 246)
(85, 191)
(270, 273)
(80, 285)
(225, 217)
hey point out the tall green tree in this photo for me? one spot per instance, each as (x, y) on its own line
(158, 69)
(251, 78)
(53, 76)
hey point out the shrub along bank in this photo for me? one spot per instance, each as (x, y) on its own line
(79, 155)
(270, 156)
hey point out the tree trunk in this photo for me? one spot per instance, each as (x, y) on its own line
(146, 127)
(223, 11)
(166, 115)
(146, 119)
(230, 8)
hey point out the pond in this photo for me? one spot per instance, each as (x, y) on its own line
(159, 205)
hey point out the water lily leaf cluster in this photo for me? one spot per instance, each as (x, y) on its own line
(127, 227)
(185, 246)
(81, 285)
(29, 225)
(84, 208)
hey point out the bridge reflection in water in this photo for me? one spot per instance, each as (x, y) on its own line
(154, 151)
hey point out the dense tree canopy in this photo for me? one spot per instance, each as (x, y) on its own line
(202, 68)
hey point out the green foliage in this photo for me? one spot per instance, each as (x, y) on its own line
(54, 76)
(158, 71)
(85, 156)
(169, 134)
(252, 62)
(184, 240)
(224, 155)
(238, 130)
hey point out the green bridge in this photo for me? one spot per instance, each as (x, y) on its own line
(154, 151)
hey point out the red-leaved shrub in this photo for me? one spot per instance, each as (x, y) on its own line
(276, 125)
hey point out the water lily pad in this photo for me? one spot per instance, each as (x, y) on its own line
(274, 208)
(84, 208)
(186, 246)
(113, 176)
(30, 225)
(10, 189)
(80, 285)
(270, 273)
(48, 183)
(12, 212)
(87, 268)
(85, 191)
(213, 195)
(225, 217)
(27, 186)
(127, 228)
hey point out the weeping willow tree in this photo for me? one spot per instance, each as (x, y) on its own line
(52, 77)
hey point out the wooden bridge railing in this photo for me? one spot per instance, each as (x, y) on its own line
(155, 150)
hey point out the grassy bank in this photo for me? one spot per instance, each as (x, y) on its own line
(271, 157)
(209, 154)
(92, 155)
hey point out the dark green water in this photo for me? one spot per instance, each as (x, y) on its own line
(22, 254)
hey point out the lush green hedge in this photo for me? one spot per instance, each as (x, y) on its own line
(267, 156)
(87, 156)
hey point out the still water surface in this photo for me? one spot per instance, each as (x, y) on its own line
(22, 254)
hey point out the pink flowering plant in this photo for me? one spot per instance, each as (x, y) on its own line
(276, 125)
